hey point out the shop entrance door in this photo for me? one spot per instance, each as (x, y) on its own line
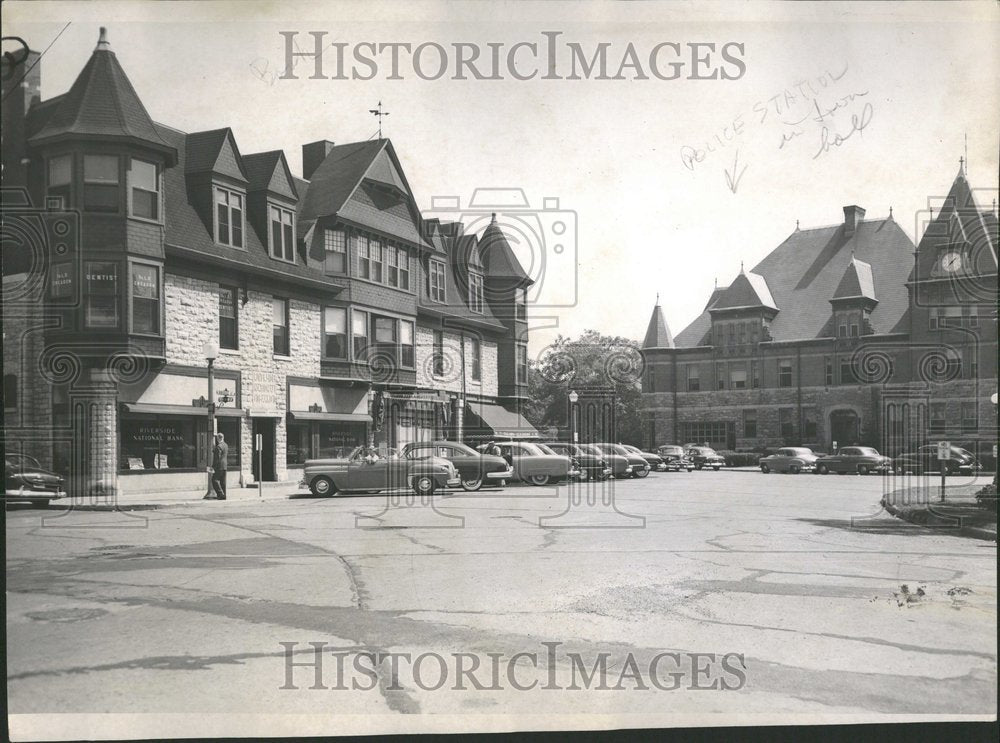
(263, 461)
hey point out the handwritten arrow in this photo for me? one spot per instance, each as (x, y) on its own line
(735, 182)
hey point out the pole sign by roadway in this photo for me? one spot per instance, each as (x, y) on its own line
(944, 450)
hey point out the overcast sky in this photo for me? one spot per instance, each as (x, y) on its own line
(910, 80)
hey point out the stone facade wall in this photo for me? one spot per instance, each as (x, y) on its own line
(192, 318)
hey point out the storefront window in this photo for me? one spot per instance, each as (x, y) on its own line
(102, 295)
(230, 428)
(297, 448)
(338, 440)
(159, 443)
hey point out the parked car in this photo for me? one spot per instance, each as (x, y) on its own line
(533, 465)
(859, 459)
(655, 461)
(365, 471)
(620, 466)
(592, 466)
(640, 467)
(704, 456)
(791, 459)
(674, 458)
(25, 480)
(474, 468)
(925, 459)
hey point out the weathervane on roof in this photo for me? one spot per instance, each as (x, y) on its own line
(657, 299)
(796, 225)
(379, 113)
(890, 212)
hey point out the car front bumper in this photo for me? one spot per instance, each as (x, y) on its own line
(35, 494)
(453, 482)
(507, 474)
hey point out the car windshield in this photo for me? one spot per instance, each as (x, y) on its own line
(671, 450)
(703, 451)
(545, 449)
(461, 449)
(589, 449)
(797, 452)
(868, 451)
(633, 449)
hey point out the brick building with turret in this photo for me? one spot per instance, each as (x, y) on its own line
(844, 334)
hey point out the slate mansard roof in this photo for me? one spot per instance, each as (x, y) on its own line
(806, 271)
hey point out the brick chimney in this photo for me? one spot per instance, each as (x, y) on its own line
(22, 88)
(852, 218)
(313, 154)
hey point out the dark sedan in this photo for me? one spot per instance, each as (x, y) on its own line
(592, 465)
(703, 456)
(925, 459)
(620, 466)
(674, 458)
(655, 461)
(26, 480)
(473, 468)
(851, 459)
(640, 467)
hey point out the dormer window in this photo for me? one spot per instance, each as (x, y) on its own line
(476, 293)
(144, 181)
(282, 234)
(435, 279)
(100, 183)
(60, 178)
(335, 248)
(228, 218)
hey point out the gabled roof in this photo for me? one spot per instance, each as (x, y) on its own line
(748, 290)
(268, 171)
(346, 184)
(804, 271)
(499, 261)
(959, 223)
(102, 103)
(657, 333)
(858, 282)
(214, 151)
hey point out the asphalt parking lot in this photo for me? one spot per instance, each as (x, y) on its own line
(823, 604)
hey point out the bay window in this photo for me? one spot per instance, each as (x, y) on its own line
(375, 248)
(522, 364)
(335, 333)
(406, 344)
(144, 181)
(392, 266)
(364, 258)
(335, 246)
(403, 258)
(282, 234)
(100, 183)
(145, 299)
(60, 179)
(228, 218)
(385, 336)
(359, 331)
(101, 307)
(521, 304)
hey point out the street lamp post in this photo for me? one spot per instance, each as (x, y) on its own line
(574, 434)
(211, 352)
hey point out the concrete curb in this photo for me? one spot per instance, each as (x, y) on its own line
(906, 514)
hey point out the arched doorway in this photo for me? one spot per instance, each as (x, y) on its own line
(845, 427)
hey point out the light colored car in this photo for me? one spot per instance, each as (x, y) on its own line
(533, 465)
(853, 459)
(790, 459)
(473, 467)
(365, 471)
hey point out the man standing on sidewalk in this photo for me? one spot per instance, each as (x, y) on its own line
(220, 453)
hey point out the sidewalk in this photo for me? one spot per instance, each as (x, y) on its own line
(158, 499)
(960, 510)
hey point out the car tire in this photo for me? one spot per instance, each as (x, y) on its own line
(322, 486)
(539, 480)
(639, 474)
(717, 468)
(862, 469)
(697, 466)
(423, 484)
(471, 486)
(765, 469)
(822, 469)
(794, 469)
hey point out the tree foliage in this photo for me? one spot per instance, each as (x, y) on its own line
(591, 360)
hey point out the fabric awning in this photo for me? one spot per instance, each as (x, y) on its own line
(502, 422)
(152, 409)
(344, 417)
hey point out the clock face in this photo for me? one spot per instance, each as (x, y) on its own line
(951, 262)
